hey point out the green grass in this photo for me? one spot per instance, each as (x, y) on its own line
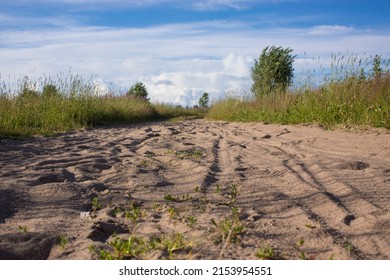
(72, 103)
(348, 103)
(30, 115)
(346, 95)
(266, 253)
(136, 247)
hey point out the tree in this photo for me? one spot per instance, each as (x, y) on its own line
(50, 90)
(204, 100)
(376, 67)
(273, 71)
(138, 90)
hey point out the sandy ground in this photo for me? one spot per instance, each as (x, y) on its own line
(228, 190)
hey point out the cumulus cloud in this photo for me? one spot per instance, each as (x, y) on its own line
(177, 62)
(164, 82)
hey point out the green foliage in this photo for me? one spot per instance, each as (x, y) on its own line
(72, 103)
(376, 67)
(266, 253)
(273, 71)
(50, 91)
(345, 98)
(120, 249)
(134, 213)
(189, 154)
(204, 100)
(178, 113)
(138, 90)
(96, 204)
(63, 241)
(22, 229)
(137, 247)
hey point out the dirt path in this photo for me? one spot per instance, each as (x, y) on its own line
(197, 190)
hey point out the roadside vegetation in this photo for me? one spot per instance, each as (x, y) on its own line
(354, 92)
(72, 103)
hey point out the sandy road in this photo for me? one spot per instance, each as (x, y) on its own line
(304, 191)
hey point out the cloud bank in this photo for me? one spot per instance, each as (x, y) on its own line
(176, 62)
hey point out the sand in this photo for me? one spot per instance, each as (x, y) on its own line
(229, 190)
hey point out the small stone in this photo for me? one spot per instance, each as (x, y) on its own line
(85, 215)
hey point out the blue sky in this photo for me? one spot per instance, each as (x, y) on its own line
(179, 49)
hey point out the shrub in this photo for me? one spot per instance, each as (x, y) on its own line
(50, 90)
(204, 100)
(273, 71)
(138, 90)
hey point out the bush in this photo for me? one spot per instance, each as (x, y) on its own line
(273, 71)
(204, 100)
(50, 90)
(138, 90)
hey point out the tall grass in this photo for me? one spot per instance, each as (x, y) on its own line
(348, 97)
(68, 103)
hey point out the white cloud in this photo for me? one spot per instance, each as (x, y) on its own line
(202, 5)
(237, 65)
(330, 30)
(177, 62)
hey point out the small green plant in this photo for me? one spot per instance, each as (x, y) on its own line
(134, 247)
(149, 154)
(348, 246)
(63, 241)
(175, 243)
(137, 247)
(232, 196)
(191, 220)
(229, 229)
(189, 154)
(116, 211)
(144, 164)
(310, 226)
(169, 197)
(181, 198)
(173, 212)
(200, 189)
(218, 188)
(96, 204)
(134, 213)
(300, 242)
(22, 228)
(302, 256)
(234, 192)
(266, 253)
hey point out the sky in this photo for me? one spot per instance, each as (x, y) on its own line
(180, 49)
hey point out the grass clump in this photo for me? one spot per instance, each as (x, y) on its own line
(347, 96)
(46, 107)
(70, 103)
(136, 247)
(266, 253)
(63, 240)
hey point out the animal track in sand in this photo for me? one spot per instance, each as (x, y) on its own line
(280, 183)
